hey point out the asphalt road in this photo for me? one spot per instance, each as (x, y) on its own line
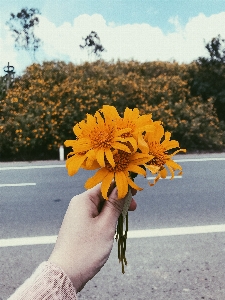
(189, 266)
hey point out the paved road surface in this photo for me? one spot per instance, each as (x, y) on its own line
(175, 263)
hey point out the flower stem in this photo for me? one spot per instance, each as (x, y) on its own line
(121, 236)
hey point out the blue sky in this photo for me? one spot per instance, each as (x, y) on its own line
(143, 30)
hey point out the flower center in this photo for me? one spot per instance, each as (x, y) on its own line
(102, 138)
(122, 160)
(160, 155)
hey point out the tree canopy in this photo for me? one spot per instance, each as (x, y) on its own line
(208, 79)
(22, 26)
(93, 44)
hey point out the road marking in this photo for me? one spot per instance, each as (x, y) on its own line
(176, 231)
(200, 159)
(32, 167)
(132, 234)
(167, 177)
(17, 184)
(27, 241)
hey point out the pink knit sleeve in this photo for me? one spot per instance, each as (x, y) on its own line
(47, 282)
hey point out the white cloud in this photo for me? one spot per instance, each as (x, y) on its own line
(141, 42)
(138, 41)
(189, 42)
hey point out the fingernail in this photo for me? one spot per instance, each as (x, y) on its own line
(114, 194)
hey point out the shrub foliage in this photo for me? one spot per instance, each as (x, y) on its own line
(40, 110)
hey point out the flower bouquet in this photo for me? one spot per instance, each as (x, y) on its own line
(120, 148)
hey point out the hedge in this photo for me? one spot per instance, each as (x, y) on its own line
(40, 110)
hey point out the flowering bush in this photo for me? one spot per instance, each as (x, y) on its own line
(38, 112)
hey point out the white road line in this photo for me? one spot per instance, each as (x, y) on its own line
(27, 241)
(32, 167)
(176, 231)
(17, 184)
(167, 177)
(147, 233)
(200, 159)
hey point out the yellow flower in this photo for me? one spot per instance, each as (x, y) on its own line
(96, 137)
(159, 145)
(124, 163)
(132, 120)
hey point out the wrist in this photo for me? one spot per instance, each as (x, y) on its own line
(68, 270)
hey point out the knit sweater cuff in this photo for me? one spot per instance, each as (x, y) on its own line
(47, 282)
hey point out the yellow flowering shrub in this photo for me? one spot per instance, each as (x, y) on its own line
(38, 112)
(192, 121)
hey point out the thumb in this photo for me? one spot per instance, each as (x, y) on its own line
(112, 208)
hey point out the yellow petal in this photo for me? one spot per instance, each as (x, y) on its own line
(124, 130)
(110, 113)
(109, 156)
(97, 178)
(141, 158)
(131, 114)
(163, 173)
(133, 143)
(144, 121)
(158, 133)
(173, 165)
(74, 163)
(170, 144)
(167, 135)
(100, 157)
(91, 154)
(142, 145)
(134, 185)
(106, 184)
(152, 168)
(80, 145)
(77, 130)
(171, 171)
(121, 183)
(69, 143)
(91, 163)
(177, 151)
(136, 169)
(146, 128)
(70, 154)
(99, 118)
(131, 140)
(120, 146)
(91, 120)
(155, 180)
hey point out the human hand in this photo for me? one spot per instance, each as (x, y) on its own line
(86, 236)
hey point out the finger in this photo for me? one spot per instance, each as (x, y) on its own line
(112, 208)
(94, 194)
(133, 192)
(133, 205)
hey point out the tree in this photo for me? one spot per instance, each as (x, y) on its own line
(216, 49)
(208, 79)
(22, 25)
(92, 41)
